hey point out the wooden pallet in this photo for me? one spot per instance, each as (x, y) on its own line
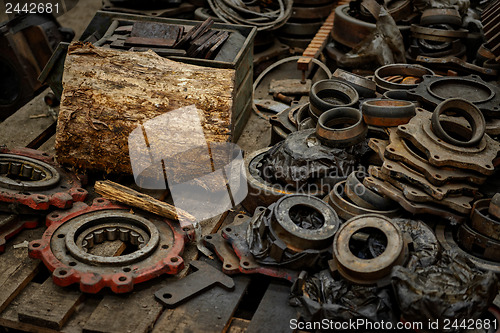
(30, 301)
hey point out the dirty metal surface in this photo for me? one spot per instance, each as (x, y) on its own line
(363, 196)
(439, 153)
(387, 112)
(341, 127)
(482, 221)
(65, 247)
(494, 207)
(11, 225)
(383, 74)
(195, 283)
(31, 181)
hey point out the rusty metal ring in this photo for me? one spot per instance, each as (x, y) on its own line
(36, 175)
(347, 210)
(399, 69)
(478, 244)
(364, 86)
(341, 127)
(69, 263)
(444, 234)
(447, 32)
(483, 222)
(362, 196)
(441, 16)
(368, 271)
(296, 237)
(494, 208)
(331, 93)
(309, 13)
(465, 109)
(387, 112)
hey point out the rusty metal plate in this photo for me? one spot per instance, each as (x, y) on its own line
(478, 244)
(440, 153)
(434, 89)
(399, 171)
(402, 150)
(395, 194)
(460, 204)
(11, 225)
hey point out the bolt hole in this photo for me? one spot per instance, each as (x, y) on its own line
(164, 246)
(389, 167)
(41, 197)
(174, 259)
(402, 128)
(61, 236)
(229, 229)
(63, 272)
(488, 166)
(208, 237)
(437, 157)
(438, 176)
(127, 269)
(55, 216)
(35, 244)
(122, 278)
(63, 187)
(186, 229)
(72, 264)
(167, 296)
(100, 200)
(391, 149)
(246, 263)
(228, 265)
(241, 216)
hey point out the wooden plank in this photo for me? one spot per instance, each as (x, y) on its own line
(16, 268)
(50, 306)
(10, 133)
(274, 313)
(207, 312)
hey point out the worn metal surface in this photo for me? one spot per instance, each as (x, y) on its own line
(459, 65)
(331, 93)
(494, 208)
(341, 127)
(439, 153)
(490, 21)
(378, 264)
(364, 86)
(438, 32)
(31, 179)
(383, 74)
(65, 247)
(11, 225)
(478, 244)
(434, 89)
(363, 196)
(482, 221)
(449, 16)
(347, 209)
(195, 283)
(387, 112)
(395, 194)
(404, 151)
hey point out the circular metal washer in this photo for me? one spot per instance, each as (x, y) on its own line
(341, 127)
(331, 93)
(297, 238)
(399, 69)
(40, 175)
(368, 271)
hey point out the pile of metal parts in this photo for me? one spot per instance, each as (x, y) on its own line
(165, 39)
(31, 184)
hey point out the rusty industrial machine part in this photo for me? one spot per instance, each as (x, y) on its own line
(480, 245)
(387, 112)
(365, 87)
(235, 235)
(384, 253)
(283, 123)
(403, 151)
(383, 74)
(446, 235)
(31, 181)
(341, 127)
(418, 192)
(363, 196)
(399, 10)
(295, 232)
(331, 93)
(439, 153)
(434, 89)
(483, 221)
(346, 209)
(433, 49)
(401, 95)
(458, 65)
(469, 111)
(311, 12)
(494, 206)
(195, 283)
(387, 189)
(449, 16)
(11, 225)
(350, 31)
(154, 247)
(490, 22)
(438, 32)
(260, 191)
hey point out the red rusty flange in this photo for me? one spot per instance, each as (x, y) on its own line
(30, 178)
(11, 225)
(66, 245)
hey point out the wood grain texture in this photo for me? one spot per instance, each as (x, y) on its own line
(108, 93)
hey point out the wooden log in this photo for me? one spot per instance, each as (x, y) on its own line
(108, 94)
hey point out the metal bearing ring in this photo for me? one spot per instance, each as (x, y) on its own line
(297, 238)
(65, 247)
(347, 210)
(387, 112)
(327, 94)
(341, 127)
(478, 244)
(363, 196)
(441, 16)
(465, 109)
(368, 271)
(482, 222)
(364, 86)
(494, 207)
(399, 69)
